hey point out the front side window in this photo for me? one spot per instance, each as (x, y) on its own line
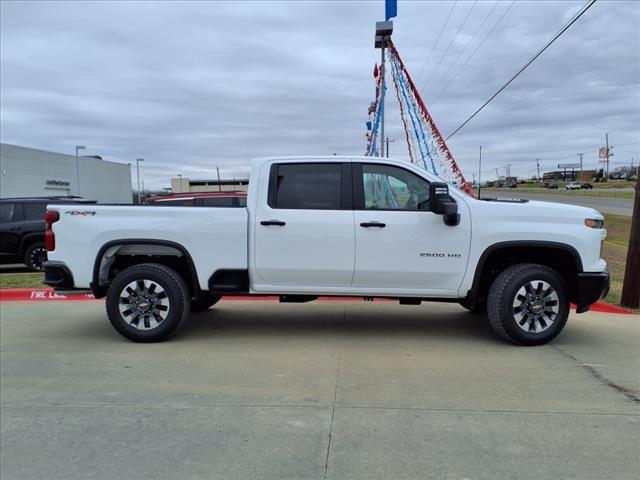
(6, 212)
(312, 186)
(392, 188)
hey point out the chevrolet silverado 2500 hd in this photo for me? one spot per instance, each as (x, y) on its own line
(356, 226)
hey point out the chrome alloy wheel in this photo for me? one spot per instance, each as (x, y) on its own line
(143, 304)
(536, 306)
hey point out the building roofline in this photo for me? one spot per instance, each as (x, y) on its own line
(65, 154)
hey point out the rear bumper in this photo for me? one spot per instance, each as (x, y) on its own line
(591, 288)
(58, 276)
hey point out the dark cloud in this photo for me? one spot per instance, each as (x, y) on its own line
(190, 86)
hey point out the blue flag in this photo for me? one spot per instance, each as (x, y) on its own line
(390, 9)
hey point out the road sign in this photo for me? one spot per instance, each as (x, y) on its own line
(602, 152)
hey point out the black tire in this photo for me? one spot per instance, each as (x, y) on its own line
(146, 323)
(35, 256)
(204, 301)
(522, 310)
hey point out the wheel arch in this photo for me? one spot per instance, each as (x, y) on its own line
(105, 260)
(561, 257)
(28, 240)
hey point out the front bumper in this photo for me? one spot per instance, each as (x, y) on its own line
(591, 288)
(58, 276)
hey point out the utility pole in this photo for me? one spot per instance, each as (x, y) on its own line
(219, 184)
(389, 140)
(606, 136)
(538, 167)
(580, 155)
(497, 175)
(631, 286)
(479, 171)
(383, 34)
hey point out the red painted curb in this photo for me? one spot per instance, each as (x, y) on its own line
(47, 294)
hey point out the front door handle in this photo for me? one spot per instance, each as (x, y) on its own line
(278, 223)
(373, 224)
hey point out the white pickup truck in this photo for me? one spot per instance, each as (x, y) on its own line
(339, 226)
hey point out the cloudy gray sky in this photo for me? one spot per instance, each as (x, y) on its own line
(192, 85)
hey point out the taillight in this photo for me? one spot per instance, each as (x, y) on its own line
(49, 237)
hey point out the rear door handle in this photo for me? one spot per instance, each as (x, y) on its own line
(373, 224)
(278, 223)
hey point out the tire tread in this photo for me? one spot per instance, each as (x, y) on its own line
(170, 276)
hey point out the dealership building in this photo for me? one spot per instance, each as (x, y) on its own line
(27, 172)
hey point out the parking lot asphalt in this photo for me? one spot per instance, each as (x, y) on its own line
(335, 390)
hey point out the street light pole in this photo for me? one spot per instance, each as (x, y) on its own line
(138, 160)
(389, 140)
(78, 147)
(383, 34)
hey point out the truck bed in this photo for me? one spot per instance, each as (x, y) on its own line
(215, 237)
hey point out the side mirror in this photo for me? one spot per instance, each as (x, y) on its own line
(441, 204)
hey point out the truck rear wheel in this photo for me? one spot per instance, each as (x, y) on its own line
(147, 302)
(527, 304)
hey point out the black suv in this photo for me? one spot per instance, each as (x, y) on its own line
(22, 229)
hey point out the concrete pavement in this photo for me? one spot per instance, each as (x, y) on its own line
(334, 390)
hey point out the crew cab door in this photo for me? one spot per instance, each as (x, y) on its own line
(303, 227)
(401, 246)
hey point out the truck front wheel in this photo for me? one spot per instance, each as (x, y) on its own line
(527, 304)
(147, 302)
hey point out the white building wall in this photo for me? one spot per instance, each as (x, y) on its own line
(26, 172)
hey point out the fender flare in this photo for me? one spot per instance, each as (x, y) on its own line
(99, 290)
(472, 293)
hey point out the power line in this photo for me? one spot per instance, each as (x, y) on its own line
(433, 47)
(464, 49)
(495, 25)
(549, 43)
(444, 55)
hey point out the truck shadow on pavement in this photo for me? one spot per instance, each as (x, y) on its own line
(335, 320)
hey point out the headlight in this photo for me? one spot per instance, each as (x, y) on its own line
(594, 223)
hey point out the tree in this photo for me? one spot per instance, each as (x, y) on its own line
(631, 285)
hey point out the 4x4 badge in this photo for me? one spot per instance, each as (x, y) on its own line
(80, 212)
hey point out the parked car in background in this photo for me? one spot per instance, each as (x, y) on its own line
(572, 186)
(22, 229)
(207, 199)
(586, 186)
(550, 186)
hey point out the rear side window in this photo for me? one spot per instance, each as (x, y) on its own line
(6, 212)
(34, 211)
(309, 186)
